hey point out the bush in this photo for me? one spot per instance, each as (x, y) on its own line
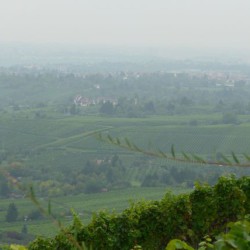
(35, 215)
(153, 224)
(238, 237)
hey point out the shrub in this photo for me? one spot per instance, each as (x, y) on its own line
(152, 224)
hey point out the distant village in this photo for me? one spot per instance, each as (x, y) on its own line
(226, 79)
(86, 101)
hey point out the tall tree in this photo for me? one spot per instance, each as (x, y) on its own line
(12, 213)
(107, 108)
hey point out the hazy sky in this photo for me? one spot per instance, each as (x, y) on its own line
(189, 23)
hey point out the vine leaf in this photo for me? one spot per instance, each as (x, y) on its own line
(127, 142)
(199, 159)
(235, 158)
(186, 156)
(190, 158)
(99, 135)
(247, 157)
(118, 141)
(226, 159)
(162, 154)
(136, 148)
(110, 138)
(49, 207)
(173, 151)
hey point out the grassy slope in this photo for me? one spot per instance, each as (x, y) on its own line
(83, 204)
(65, 141)
(73, 133)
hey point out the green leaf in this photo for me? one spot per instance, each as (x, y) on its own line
(99, 136)
(127, 142)
(247, 157)
(136, 148)
(235, 158)
(186, 156)
(49, 207)
(225, 159)
(110, 138)
(173, 151)
(178, 244)
(118, 141)
(198, 158)
(17, 247)
(162, 153)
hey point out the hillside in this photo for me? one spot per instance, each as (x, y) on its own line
(48, 140)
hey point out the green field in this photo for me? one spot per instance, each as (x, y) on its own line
(85, 205)
(64, 143)
(58, 143)
(74, 132)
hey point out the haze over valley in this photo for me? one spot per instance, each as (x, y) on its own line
(107, 103)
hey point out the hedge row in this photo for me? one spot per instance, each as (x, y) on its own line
(189, 217)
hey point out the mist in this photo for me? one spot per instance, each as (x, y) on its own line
(194, 24)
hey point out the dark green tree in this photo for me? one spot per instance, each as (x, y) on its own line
(229, 118)
(107, 108)
(12, 213)
(4, 189)
(24, 229)
(73, 110)
(149, 107)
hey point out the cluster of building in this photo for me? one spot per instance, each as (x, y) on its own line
(228, 79)
(86, 101)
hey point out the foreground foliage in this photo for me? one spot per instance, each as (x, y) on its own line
(152, 225)
(237, 238)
